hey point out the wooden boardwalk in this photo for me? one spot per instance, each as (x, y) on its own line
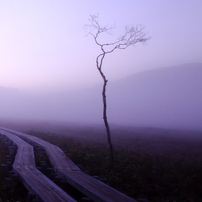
(63, 166)
(32, 178)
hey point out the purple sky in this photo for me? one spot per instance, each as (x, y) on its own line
(43, 44)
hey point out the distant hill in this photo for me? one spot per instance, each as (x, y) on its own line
(163, 97)
(170, 96)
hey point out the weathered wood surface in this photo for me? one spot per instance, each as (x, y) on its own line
(63, 166)
(32, 178)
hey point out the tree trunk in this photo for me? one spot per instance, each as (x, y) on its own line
(106, 122)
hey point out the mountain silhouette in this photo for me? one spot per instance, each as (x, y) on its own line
(165, 97)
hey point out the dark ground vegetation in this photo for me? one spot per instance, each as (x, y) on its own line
(155, 164)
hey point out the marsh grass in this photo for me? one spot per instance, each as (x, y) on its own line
(160, 168)
(156, 164)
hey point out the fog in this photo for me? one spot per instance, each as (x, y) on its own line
(44, 46)
(48, 71)
(168, 97)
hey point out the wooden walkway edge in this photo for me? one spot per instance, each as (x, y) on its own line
(64, 167)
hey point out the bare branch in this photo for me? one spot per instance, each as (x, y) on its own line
(94, 27)
(132, 35)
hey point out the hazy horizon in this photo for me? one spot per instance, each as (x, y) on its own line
(167, 97)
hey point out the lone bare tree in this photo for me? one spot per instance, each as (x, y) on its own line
(131, 36)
